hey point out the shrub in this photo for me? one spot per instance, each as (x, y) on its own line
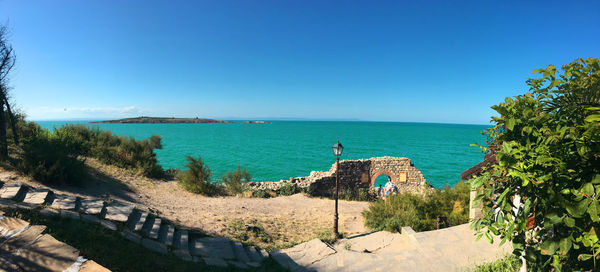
(52, 158)
(261, 193)
(543, 194)
(433, 210)
(288, 189)
(509, 263)
(197, 178)
(358, 194)
(326, 236)
(125, 152)
(235, 182)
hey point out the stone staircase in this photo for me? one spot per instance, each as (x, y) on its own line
(136, 225)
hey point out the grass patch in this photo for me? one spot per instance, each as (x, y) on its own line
(326, 236)
(111, 250)
(508, 263)
(273, 247)
(249, 234)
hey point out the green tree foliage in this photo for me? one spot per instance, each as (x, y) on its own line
(547, 143)
(52, 158)
(235, 181)
(196, 178)
(433, 210)
(7, 62)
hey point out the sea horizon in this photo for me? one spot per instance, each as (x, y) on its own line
(283, 149)
(259, 119)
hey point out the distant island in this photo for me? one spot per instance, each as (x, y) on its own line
(157, 120)
(256, 122)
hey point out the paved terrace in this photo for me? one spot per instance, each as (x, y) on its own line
(450, 249)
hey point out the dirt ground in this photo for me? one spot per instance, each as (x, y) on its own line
(286, 219)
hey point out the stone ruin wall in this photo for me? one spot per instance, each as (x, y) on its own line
(356, 174)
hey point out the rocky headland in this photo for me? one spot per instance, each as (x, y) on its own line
(162, 120)
(256, 122)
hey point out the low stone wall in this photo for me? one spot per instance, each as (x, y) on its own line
(355, 174)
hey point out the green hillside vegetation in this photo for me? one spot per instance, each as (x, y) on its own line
(58, 155)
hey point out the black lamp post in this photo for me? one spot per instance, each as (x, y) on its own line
(337, 152)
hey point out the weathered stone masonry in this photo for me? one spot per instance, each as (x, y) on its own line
(356, 174)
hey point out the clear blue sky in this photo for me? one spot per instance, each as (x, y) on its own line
(421, 61)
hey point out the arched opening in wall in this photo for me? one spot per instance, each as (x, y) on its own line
(381, 179)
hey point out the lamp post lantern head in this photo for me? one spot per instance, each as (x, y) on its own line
(337, 149)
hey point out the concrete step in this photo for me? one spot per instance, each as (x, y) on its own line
(137, 220)
(254, 254)
(165, 235)
(264, 253)
(180, 240)
(212, 261)
(11, 191)
(64, 202)
(217, 247)
(22, 239)
(47, 253)
(155, 246)
(36, 196)
(10, 226)
(118, 211)
(155, 227)
(92, 205)
(181, 245)
(240, 252)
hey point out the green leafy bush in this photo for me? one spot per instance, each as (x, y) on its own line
(433, 210)
(125, 152)
(196, 178)
(543, 193)
(52, 158)
(235, 181)
(261, 193)
(509, 263)
(288, 189)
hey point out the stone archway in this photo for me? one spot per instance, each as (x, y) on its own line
(357, 174)
(383, 172)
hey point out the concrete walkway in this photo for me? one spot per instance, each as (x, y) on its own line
(26, 248)
(450, 249)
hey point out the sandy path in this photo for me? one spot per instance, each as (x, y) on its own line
(213, 213)
(286, 219)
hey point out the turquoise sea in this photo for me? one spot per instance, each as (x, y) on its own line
(284, 149)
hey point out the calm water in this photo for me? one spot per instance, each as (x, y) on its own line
(285, 149)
